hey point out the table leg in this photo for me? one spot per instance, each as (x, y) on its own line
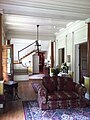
(16, 93)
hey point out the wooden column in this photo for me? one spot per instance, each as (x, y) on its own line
(0, 47)
(88, 51)
(7, 42)
(52, 55)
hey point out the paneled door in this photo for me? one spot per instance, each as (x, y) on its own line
(7, 62)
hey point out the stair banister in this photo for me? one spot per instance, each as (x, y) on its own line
(24, 49)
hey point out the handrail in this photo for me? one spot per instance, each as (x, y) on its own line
(27, 54)
(24, 49)
(27, 46)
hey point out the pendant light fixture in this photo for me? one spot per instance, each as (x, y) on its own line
(37, 43)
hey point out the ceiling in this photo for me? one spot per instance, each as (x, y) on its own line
(21, 17)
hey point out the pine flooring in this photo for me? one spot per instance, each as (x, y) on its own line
(14, 109)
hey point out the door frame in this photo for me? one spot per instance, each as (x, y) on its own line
(82, 62)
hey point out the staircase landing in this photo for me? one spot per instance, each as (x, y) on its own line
(21, 77)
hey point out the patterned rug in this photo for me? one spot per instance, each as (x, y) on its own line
(32, 112)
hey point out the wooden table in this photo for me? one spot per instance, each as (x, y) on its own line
(11, 88)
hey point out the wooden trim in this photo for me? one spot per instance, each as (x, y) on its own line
(0, 46)
(7, 42)
(7, 76)
(52, 55)
(88, 51)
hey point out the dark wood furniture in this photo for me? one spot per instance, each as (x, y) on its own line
(11, 87)
(2, 103)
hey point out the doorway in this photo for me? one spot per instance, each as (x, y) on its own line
(61, 56)
(41, 62)
(82, 62)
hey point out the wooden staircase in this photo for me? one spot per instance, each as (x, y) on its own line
(20, 72)
(27, 55)
(28, 50)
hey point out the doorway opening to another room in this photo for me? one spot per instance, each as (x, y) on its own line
(80, 62)
(61, 53)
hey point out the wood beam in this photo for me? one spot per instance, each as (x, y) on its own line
(0, 46)
(52, 55)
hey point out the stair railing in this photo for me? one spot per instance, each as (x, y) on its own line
(26, 51)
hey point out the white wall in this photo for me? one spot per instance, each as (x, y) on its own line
(49, 52)
(80, 34)
(19, 44)
(68, 38)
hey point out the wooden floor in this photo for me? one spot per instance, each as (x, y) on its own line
(14, 109)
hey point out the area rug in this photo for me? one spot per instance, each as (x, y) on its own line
(33, 112)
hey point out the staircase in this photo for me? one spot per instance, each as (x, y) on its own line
(26, 51)
(20, 72)
(20, 69)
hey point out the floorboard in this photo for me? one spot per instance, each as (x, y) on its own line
(14, 109)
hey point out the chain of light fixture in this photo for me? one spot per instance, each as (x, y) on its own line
(37, 43)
